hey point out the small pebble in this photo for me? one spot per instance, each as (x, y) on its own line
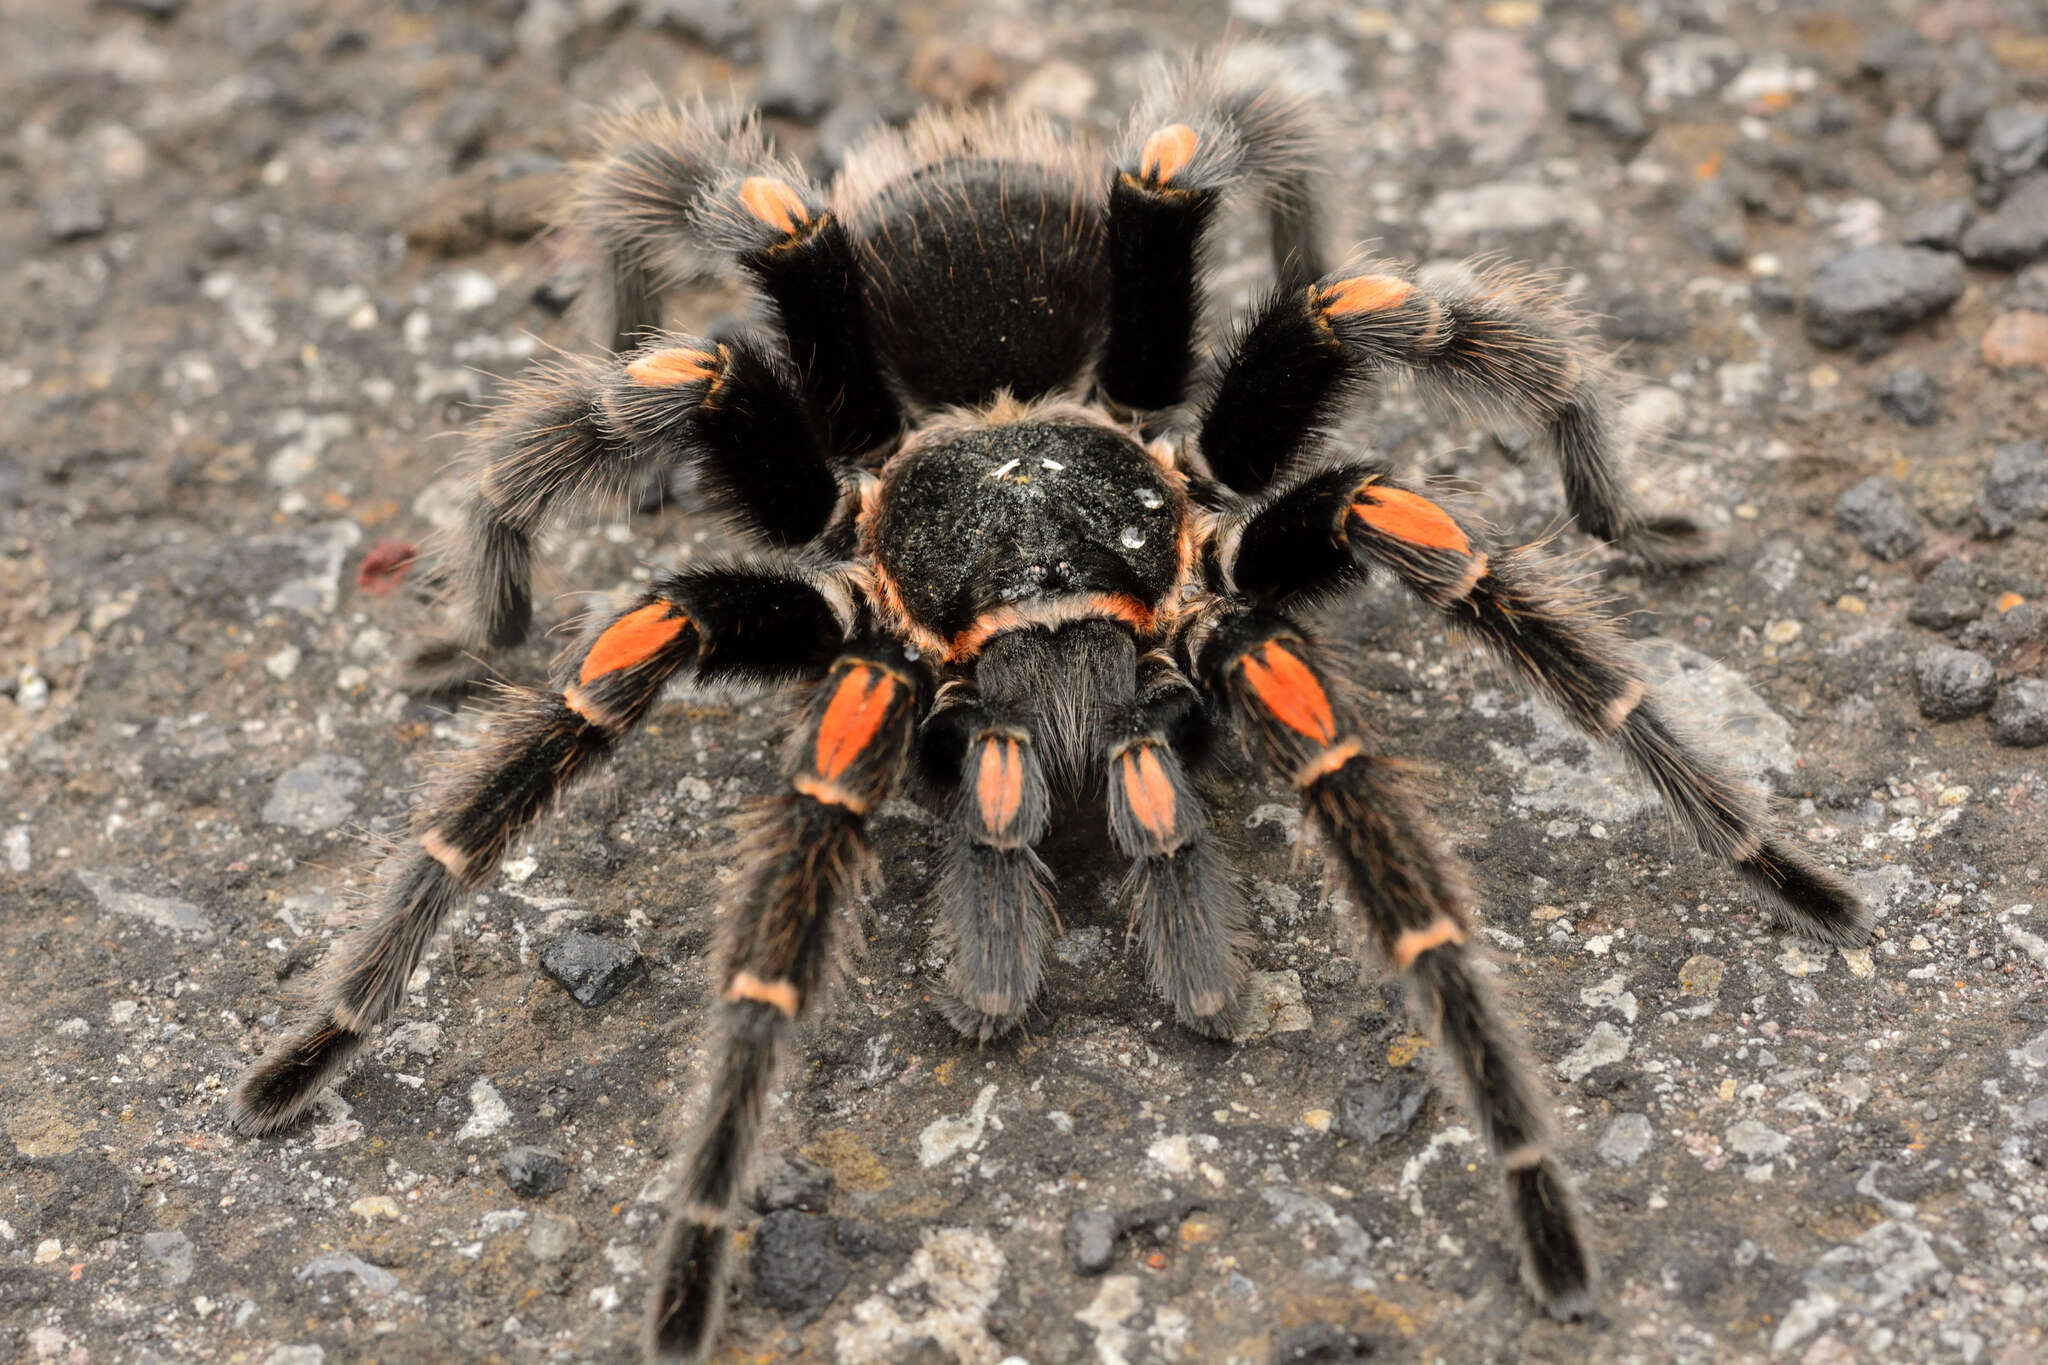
(2013, 637)
(1878, 515)
(1319, 1343)
(1961, 105)
(2016, 232)
(791, 1182)
(2017, 341)
(1606, 106)
(724, 26)
(590, 968)
(74, 213)
(2010, 142)
(1910, 395)
(533, 1171)
(1859, 296)
(800, 70)
(1384, 1112)
(1910, 145)
(1625, 1140)
(1090, 1240)
(2020, 717)
(1939, 227)
(551, 1236)
(2015, 487)
(1948, 596)
(795, 1268)
(1954, 683)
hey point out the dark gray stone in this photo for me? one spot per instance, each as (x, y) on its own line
(1883, 522)
(2016, 638)
(795, 1267)
(2028, 290)
(1938, 227)
(1910, 145)
(74, 213)
(2016, 232)
(724, 26)
(1774, 294)
(2020, 718)
(1321, 1344)
(533, 1171)
(2010, 142)
(155, 9)
(2015, 487)
(1877, 289)
(1606, 106)
(1953, 683)
(590, 968)
(1961, 105)
(1639, 315)
(790, 1182)
(1910, 395)
(1948, 597)
(1090, 1240)
(800, 70)
(465, 125)
(1384, 1112)
(1711, 221)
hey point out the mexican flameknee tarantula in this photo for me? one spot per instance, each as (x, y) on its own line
(986, 556)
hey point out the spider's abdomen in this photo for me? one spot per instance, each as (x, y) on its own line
(1001, 516)
(983, 275)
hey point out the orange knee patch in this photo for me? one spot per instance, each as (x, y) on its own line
(1149, 791)
(774, 202)
(780, 994)
(852, 718)
(1166, 153)
(999, 786)
(1408, 517)
(664, 369)
(1291, 692)
(633, 639)
(1365, 294)
(1415, 942)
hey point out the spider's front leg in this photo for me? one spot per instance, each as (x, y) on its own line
(807, 857)
(713, 623)
(583, 431)
(1197, 140)
(1295, 720)
(1500, 342)
(1330, 527)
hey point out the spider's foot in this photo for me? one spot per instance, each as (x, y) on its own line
(439, 664)
(1673, 542)
(273, 1093)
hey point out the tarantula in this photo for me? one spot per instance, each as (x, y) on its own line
(1011, 542)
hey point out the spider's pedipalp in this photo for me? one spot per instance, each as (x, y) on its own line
(1297, 720)
(1198, 138)
(1325, 530)
(538, 742)
(808, 856)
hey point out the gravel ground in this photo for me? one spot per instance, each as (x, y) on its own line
(262, 260)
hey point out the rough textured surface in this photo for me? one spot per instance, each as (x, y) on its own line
(314, 261)
(1860, 296)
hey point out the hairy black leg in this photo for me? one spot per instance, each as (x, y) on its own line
(1557, 641)
(1499, 342)
(582, 432)
(1196, 140)
(995, 896)
(807, 861)
(1297, 719)
(1187, 907)
(716, 623)
(799, 252)
(637, 200)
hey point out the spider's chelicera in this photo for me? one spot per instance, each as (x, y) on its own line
(1006, 542)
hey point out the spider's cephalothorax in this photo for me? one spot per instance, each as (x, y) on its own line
(979, 554)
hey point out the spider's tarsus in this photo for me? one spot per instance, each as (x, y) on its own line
(274, 1093)
(1670, 543)
(1810, 899)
